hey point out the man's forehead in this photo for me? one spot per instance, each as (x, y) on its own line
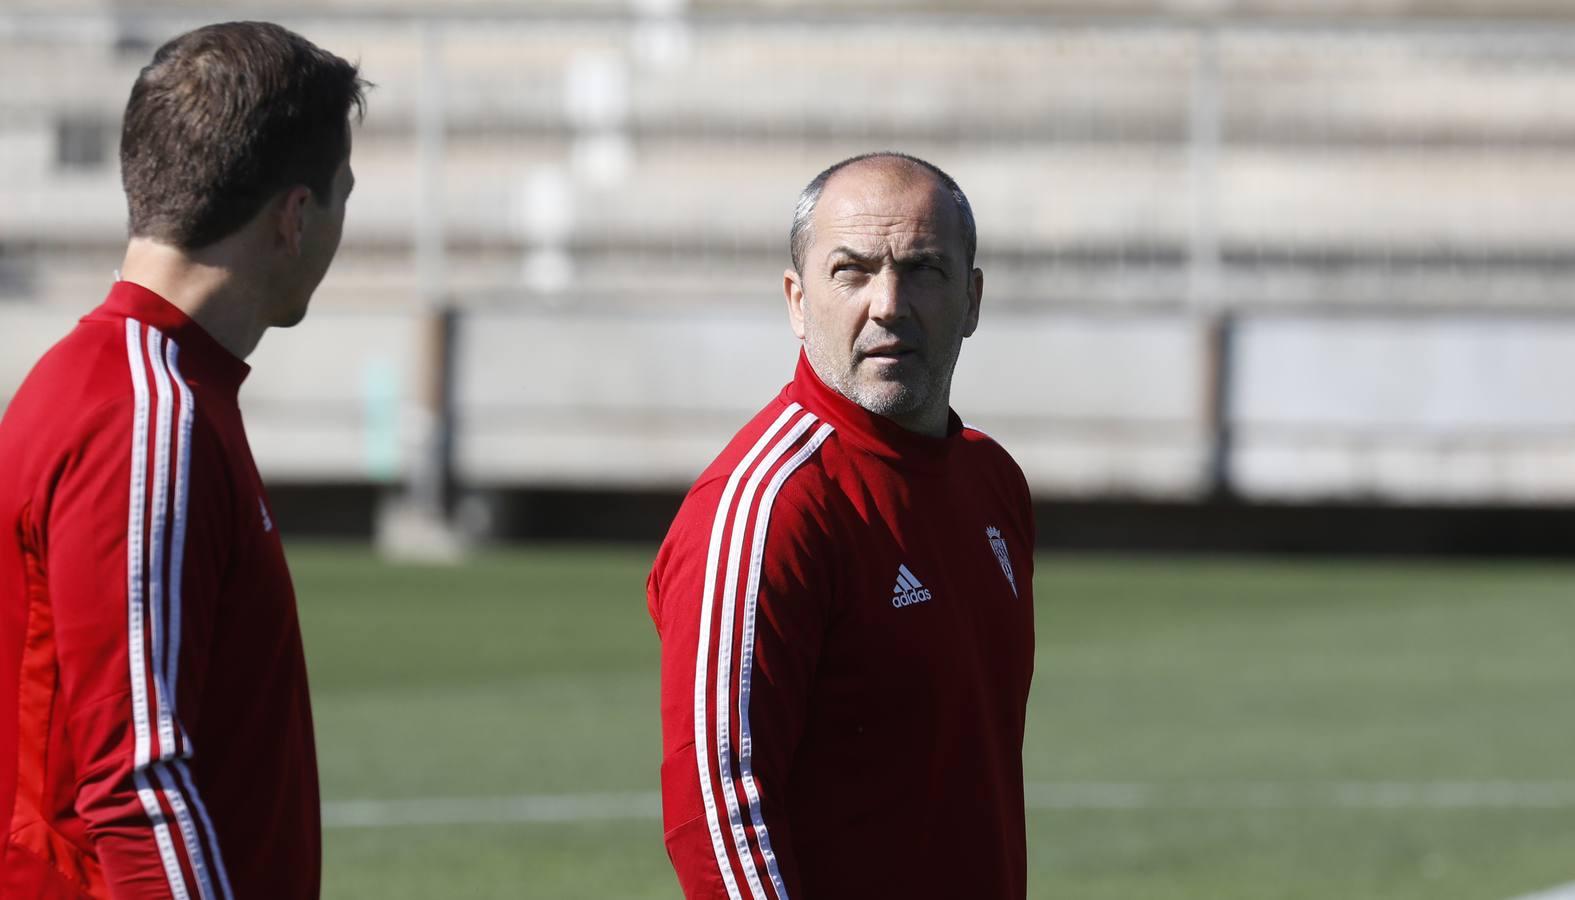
(878, 202)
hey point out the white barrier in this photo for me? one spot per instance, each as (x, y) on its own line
(1427, 409)
(1434, 409)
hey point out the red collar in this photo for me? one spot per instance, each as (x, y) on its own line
(877, 434)
(201, 357)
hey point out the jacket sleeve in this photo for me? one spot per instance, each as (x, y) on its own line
(136, 538)
(742, 598)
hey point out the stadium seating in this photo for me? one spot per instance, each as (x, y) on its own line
(628, 172)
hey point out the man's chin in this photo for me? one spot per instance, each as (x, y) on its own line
(890, 399)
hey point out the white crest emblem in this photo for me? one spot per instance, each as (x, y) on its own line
(998, 544)
(268, 523)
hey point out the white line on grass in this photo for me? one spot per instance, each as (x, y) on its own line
(1562, 892)
(529, 809)
(1376, 795)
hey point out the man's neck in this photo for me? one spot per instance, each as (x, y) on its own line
(928, 422)
(206, 285)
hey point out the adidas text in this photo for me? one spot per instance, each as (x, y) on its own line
(908, 591)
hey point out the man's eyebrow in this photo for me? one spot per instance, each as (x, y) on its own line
(850, 253)
(916, 258)
(923, 257)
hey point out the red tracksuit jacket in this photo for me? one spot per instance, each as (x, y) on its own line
(155, 732)
(846, 617)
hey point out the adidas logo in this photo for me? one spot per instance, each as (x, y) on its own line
(908, 590)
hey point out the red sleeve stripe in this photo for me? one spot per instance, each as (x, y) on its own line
(149, 595)
(746, 657)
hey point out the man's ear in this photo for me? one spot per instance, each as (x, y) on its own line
(975, 295)
(291, 218)
(793, 291)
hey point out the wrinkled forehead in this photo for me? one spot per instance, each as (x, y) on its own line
(869, 207)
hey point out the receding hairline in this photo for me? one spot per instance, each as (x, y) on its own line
(886, 162)
(895, 167)
(896, 172)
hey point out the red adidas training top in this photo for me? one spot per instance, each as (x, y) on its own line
(846, 616)
(155, 732)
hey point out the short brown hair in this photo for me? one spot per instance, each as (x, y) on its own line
(224, 118)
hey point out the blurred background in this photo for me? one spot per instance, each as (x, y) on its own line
(1270, 284)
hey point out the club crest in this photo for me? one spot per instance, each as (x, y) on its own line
(998, 544)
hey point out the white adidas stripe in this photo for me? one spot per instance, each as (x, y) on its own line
(177, 567)
(188, 832)
(136, 559)
(135, 552)
(149, 586)
(178, 540)
(746, 658)
(165, 405)
(167, 376)
(724, 660)
(163, 687)
(713, 735)
(702, 653)
(184, 774)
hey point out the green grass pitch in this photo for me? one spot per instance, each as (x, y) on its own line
(1198, 729)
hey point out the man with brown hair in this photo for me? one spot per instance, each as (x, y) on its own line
(155, 728)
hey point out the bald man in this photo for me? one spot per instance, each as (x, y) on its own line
(845, 599)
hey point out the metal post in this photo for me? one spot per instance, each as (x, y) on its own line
(1219, 331)
(429, 476)
(1215, 324)
(417, 524)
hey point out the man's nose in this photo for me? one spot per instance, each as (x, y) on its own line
(888, 300)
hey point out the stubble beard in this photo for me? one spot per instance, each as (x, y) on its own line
(890, 398)
(894, 398)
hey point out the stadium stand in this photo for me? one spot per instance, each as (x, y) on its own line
(1289, 184)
